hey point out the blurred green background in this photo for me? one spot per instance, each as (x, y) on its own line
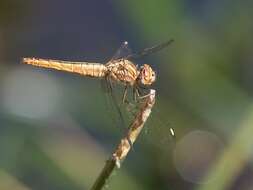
(55, 130)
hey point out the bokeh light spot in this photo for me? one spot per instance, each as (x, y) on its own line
(30, 94)
(195, 153)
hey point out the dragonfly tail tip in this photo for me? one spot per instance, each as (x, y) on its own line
(23, 60)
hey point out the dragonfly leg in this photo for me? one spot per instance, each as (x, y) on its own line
(136, 93)
(140, 92)
(144, 96)
(124, 95)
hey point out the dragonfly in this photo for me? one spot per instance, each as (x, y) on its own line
(120, 69)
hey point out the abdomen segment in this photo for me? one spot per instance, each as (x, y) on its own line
(82, 68)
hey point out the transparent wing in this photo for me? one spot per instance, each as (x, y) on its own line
(159, 130)
(150, 50)
(114, 108)
(123, 52)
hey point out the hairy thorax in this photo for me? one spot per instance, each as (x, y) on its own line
(123, 71)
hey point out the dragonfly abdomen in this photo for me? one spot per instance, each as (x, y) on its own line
(82, 68)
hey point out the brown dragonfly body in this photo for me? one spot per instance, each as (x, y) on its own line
(121, 70)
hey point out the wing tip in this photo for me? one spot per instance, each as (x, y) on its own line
(24, 60)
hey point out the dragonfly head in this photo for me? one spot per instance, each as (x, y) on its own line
(147, 75)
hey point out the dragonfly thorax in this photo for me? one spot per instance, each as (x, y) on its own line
(123, 71)
(127, 72)
(146, 75)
